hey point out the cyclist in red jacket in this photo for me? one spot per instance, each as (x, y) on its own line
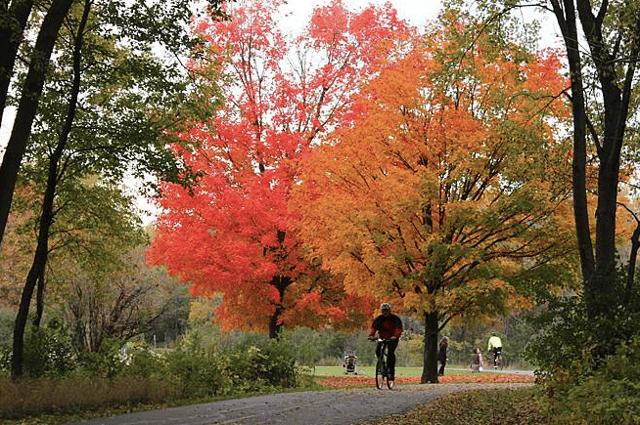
(388, 326)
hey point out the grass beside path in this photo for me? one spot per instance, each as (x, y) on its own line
(515, 406)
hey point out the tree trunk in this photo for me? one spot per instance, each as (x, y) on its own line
(567, 21)
(28, 105)
(37, 320)
(12, 23)
(430, 364)
(37, 269)
(37, 272)
(598, 292)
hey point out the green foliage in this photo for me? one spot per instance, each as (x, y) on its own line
(7, 318)
(261, 363)
(607, 394)
(365, 350)
(48, 350)
(108, 362)
(566, 334)
(196, 373)
(307, 342)
(145, 363)
(589, 365)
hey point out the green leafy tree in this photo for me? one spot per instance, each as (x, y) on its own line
(140, 23)
(107, 85)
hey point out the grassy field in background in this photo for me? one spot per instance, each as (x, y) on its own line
(400, 371)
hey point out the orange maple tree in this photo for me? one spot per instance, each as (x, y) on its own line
(231, 233)
(447, 189)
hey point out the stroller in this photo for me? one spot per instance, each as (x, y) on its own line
(350, 363)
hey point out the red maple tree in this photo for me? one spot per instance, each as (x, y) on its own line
(232, 233)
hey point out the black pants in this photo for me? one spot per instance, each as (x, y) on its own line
(496, 353)
(391, 359)
(442, 365)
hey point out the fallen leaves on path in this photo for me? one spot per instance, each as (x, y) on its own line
(354, 381)
(507, 406)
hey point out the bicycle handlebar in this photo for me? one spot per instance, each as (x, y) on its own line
(378, 339)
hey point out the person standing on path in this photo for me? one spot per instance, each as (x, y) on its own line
(442, 354)
(388, 326)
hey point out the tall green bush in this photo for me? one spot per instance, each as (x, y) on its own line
(606, 395)
(589, 367)
(108, 362)
(48, 351)
(259, 363)
(197, 373)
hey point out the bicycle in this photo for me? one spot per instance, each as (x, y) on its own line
(382, 372)
(498, 361)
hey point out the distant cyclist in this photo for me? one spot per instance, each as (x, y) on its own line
(388, 326)
(495, 346)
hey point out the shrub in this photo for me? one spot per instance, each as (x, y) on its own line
(259, 363)
(609, 394)
(108, 362)
(145, 363)
(47, 351)
(197, 373)
(589, 365)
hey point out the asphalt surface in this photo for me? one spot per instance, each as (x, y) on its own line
(342, 407)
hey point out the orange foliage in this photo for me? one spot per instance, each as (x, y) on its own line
(446, 188)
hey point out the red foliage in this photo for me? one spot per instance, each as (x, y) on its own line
(232, 233)
(494, 378)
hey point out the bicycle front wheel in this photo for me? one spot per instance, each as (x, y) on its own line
(381, 372)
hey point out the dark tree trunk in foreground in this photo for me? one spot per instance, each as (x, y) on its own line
(36, 274)
(614, 66)
(13, 20)
(28, 105)
(430, 364)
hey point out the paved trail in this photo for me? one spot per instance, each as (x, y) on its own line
(307, 408)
